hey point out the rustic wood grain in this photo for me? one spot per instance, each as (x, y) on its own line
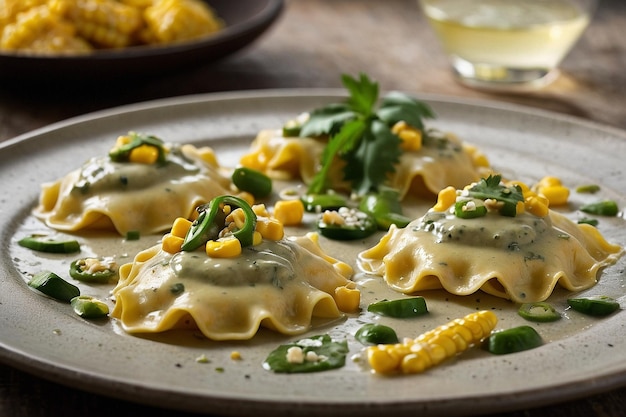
(310, 46)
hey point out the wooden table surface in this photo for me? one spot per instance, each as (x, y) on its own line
(313, 42)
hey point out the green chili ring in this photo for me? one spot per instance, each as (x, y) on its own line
(122, 153)
(314, 202)
(364, 228)
(539, 312)
(43, 243)
(77, 272)
(211, 221)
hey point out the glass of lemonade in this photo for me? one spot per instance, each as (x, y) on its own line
(507, 44)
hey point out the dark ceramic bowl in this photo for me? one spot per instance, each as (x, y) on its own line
(245, 21)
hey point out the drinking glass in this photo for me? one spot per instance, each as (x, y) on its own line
(507, 44)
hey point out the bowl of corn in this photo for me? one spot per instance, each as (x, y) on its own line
(119, 38)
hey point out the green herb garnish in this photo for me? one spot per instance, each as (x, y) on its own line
(361, 135)
(491, 188)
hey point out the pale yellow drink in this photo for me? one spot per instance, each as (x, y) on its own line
(506, 40)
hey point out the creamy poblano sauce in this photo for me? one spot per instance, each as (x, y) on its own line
(267, 263)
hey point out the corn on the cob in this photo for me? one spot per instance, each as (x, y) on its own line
(105, 23)
(41, 30)
(178, 20)
(431, 348)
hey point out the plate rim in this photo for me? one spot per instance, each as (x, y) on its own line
(60, 374)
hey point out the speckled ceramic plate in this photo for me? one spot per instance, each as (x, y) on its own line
(581, 356)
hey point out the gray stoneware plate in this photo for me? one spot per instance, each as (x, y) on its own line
(246, 21)
(581, 356)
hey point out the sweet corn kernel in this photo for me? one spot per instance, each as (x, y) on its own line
(445, 199)
(536, 205)
(238, 217)
(172, 243)
(270, 228)
(257, 238)
(557, 195)
(347, 299)
(144, 154)
(289, 212)
(254, 161)
(247, 197)
(223, 248)
(180, 227)
(260, 210)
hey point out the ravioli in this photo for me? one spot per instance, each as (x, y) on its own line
(522, 257)
(440, 160)
(281, 285)
(123, 196)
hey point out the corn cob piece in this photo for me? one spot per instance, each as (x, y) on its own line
(104, 23)
(433, 347)
(178, 20)
(9, 9)
(41, 30)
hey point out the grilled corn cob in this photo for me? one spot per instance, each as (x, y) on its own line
(41, 30)
(104, 23)
(178, 20)
(431, 348)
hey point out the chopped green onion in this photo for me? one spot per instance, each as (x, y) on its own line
(250, 180)
(374, 334)
(400, 308)
(587, 220)
(588, 189)
(54, 286)
(600, 305)
(513, 340)
(43, 243)
(602, 208)
(133, 235)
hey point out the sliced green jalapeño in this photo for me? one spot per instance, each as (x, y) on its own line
(54, 286)
(598, 305)
(513, 340)
(211, 220)
(44, 243)
(539, 312)
(400, 308)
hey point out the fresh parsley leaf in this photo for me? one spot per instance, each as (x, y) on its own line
(363, 94)
(361, 135)
(330, 354)
(398, 106)
(367, 167)
(327, 121)
(491, 188)
(337, 146)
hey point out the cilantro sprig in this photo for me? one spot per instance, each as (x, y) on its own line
(492, 188)
(360, 134)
